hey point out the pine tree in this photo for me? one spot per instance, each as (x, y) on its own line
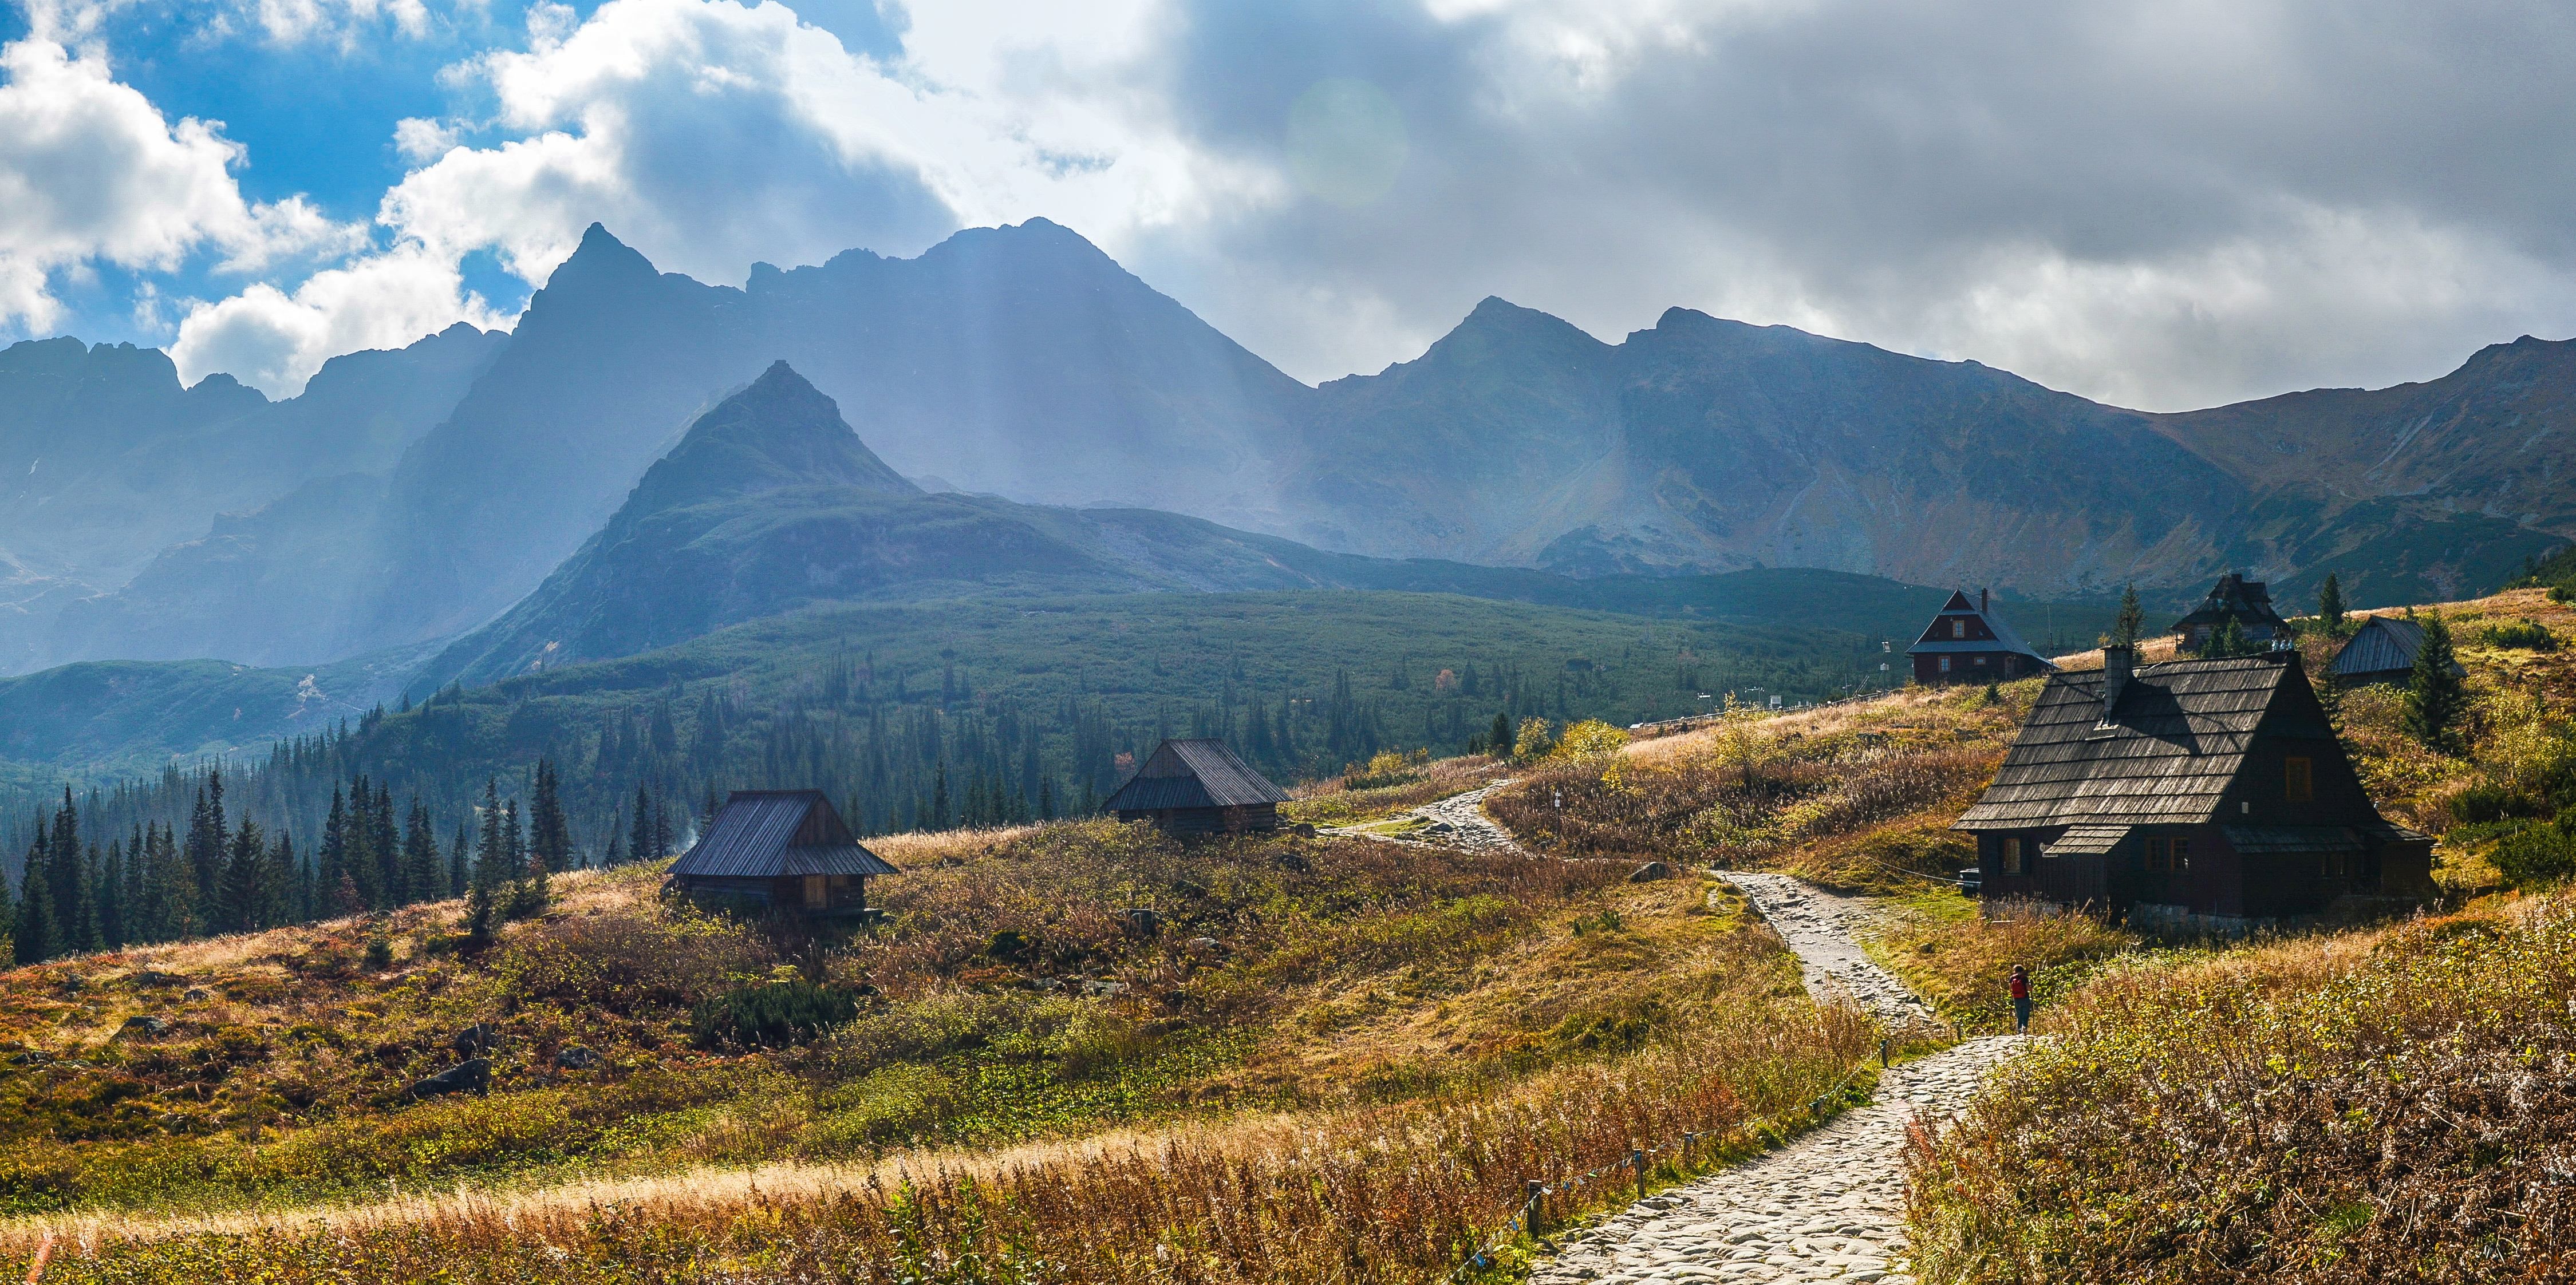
(384, 839)
(2229, 639)
(208, 841)
(423, 877)
(1498, 739)
(110, 899)
(2436, 699)
(32, 936)
(639, 845)
(2131, 624)
(661, 830)
(136, 902)
(549, 835)
(459, 874)
(489, 883)
(2330, 608)
(616, 854)
(332, 868)
(244, 877)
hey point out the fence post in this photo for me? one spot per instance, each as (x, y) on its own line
(1535, 1194)
(1637, 1161)
(1882, 1052)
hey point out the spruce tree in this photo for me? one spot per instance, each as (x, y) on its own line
(110, 899)
(459, 866)
(136, 902)
(616, 854)
(549, 834)
(424, 879)
(384, 838)
(2229, 639)
(244, 881)
(332, 865)
(489, 883)
(32, 937)
(2330, 608)
(2131, 624)
(639, 845)
(209, 839)
(2436, 699)
(1498, 740)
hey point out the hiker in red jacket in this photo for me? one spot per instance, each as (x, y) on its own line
(2021, 1000)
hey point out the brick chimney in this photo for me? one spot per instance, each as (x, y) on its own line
(2118, 663)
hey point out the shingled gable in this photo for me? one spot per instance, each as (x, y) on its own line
(785, 850)
(2212, 793)
(1968, 642)
(1195, 786)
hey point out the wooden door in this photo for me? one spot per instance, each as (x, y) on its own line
(817, 894)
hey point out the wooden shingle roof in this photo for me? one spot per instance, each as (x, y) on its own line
(764, 834)
(1193, 774)
(2383, 645)
(1936, 635)
(2165, 756)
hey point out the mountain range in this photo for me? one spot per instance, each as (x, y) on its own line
(499, 491)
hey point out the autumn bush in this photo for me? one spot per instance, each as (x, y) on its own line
(2371, 1106)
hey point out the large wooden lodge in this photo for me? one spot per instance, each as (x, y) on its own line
(2206, 795)
(1968, 643)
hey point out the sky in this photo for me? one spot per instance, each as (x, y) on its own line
(2157, 203)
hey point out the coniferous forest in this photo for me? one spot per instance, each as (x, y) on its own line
(622, 761)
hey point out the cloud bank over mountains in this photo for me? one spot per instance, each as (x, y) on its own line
(2161, 205)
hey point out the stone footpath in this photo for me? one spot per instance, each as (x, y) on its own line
(1458, 821)
(1830, 1206)
(1818, 926)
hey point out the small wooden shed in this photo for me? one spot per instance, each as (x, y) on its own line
(2383, 650)
(787, 850)
(1198, 787)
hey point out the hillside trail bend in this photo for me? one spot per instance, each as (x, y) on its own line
(1458, 821)
(1829, 1206)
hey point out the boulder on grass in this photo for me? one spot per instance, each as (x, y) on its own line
(471, 1076)
(1650, 872)
(476, 1040)
(576, 1058)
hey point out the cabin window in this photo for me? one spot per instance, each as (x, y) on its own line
(2298, 779)
(1958, 629)
(2178, 855)
(1981, 662)
(2010, 847)
(1945, 664)
(2156, 856)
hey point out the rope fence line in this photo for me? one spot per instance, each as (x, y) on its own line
(1536, 1192)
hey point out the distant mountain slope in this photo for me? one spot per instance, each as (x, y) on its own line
(771, 502)
(132, 716)
(109, 461)
(1711, 444)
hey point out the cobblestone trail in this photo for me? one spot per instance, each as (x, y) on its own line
(1818, 926)
(1468, 826)
(1458, 821)
(1830, 1206)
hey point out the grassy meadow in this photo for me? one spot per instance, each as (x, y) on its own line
(1331, 1056)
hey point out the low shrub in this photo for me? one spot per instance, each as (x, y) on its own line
(2523, 635)
(773, 1015)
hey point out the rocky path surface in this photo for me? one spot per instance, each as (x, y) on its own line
(1830, 1206)
(1818, 926)
(1458, 821)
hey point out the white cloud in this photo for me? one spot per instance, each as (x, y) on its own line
(420, 140)
(274, 340)
(91, 172)
(710, 134)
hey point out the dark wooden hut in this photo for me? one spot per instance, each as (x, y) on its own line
(2199, 794)
(2383, 650)
(1968, 643)
(1198, 787)
(2248, 602)
(787, 850)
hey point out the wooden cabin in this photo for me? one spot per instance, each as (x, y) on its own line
(786, 850)
(2207, 795)
(1198, 787)
(2248, 602)
(1968, 643)
(2383, 650)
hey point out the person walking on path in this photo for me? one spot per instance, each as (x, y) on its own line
(2021, 1000)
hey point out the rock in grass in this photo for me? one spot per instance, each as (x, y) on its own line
(576, 1058)
(476, 1040)
(144, 1024)
(1650, 872)
(472, 1076)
